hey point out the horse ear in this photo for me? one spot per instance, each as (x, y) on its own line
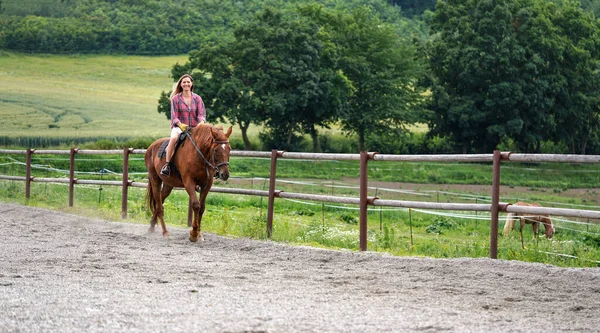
(229, 131)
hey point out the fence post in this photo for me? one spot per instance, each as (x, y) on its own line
(271, 204)
(28, 173)
(125, 186)
(495, 205)
(364, 157)
(72, 179)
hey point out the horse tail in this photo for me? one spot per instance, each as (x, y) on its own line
(510, 224)
(150, 199)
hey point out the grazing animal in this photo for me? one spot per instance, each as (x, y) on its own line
(203, 156)
(534, 220)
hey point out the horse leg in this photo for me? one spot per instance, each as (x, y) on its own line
(164, 193)
(199, 208)
(548, 227)
(203, 195)
(195, 231)
(535, 225)
(154, 202)
(521, 232)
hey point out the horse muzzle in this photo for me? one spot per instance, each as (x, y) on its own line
(222, 173)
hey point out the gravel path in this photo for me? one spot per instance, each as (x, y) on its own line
(65, 273)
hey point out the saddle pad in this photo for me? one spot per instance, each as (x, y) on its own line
(162, 151)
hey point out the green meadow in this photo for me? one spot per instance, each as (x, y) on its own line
(83, 95)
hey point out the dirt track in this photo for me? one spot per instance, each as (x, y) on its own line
(65, 273)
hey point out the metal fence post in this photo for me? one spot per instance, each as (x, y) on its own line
(72, 179)
(28, 173)
(364, 157)
(271, 204)
(125, 186)
(495, 204)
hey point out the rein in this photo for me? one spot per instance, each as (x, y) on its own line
(207, 163)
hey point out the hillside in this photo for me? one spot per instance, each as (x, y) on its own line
(146, 27)
(83, 96)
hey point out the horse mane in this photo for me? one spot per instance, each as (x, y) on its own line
(203, 133)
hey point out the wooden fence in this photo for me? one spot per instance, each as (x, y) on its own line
(363, 201)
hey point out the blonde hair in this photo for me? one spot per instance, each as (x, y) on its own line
(177, 86)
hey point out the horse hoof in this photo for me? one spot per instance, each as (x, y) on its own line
(151, 230)
(165, 234)
(193, 236)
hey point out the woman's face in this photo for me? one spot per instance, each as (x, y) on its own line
(186, 84)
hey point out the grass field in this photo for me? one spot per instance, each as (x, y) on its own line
(83, 95)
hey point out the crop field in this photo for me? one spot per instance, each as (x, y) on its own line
(83, 96)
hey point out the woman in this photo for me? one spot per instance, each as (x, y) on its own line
(187, 109)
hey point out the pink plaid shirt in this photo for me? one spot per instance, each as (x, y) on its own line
(190, 115)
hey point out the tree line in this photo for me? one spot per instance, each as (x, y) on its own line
(141, 27)
(520, 75)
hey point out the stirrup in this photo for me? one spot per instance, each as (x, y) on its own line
(166, 170)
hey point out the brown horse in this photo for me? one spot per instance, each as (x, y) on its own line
(534, 220)
(203, 156)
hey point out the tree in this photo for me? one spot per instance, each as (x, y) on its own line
(226, 92)
(500, 72)
(577, 105)
(382, 70)
(275, 72)
(292, 73)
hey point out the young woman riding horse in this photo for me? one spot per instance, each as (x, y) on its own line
(203, 156)
(187, 109)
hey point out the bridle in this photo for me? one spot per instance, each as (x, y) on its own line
(206, 162)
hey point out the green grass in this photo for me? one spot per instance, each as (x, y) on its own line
(85, 96)
(98, 96)
(91, 96)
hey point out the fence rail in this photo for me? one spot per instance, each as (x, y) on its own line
(363, 201)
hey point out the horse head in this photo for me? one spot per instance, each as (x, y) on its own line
(548, 226)
(220, 152)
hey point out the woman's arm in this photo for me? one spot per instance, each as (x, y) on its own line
(175, 113)
(201, 111)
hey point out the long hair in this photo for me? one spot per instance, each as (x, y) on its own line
(177, 86)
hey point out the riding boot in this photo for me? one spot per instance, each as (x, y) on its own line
(166, 169)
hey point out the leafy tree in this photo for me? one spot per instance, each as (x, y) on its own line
(577, 101)
(591, 6)
(382, 70)
(143, 26)
(414, 7)
(274, 72)
(500, 71)
(295, 80)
